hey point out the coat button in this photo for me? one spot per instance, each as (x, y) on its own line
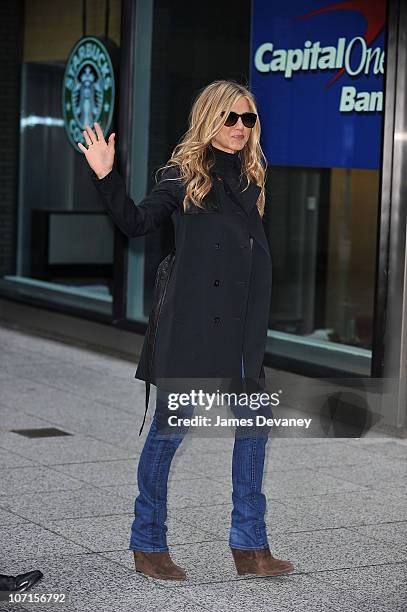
(216, 283)
(216, 320)
(217, 245)
(244, 246)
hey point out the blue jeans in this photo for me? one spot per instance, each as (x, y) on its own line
(248, 528)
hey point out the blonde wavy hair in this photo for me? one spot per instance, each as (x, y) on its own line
(191, 155)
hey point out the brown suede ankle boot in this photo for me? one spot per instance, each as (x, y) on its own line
(158, 565)
(259, 562)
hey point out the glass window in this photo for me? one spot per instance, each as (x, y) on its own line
(321, 222)
(322, 229)
(64, 240)
(177, 53)
(317, 73)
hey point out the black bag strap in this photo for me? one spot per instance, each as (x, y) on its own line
(146, 408)
(163, 272)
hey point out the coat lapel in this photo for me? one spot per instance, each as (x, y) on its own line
(247, 201)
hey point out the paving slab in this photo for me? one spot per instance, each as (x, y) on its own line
(112, 532)
(336, 507)
(61, 449)
(76, 503)
(92, 582)
(354, 508)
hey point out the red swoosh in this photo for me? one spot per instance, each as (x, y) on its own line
(374, 11)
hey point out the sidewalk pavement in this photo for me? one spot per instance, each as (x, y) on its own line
(336, 507)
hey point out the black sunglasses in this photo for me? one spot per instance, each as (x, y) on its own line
(248, 119)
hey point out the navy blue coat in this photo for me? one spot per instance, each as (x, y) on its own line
(215, 301)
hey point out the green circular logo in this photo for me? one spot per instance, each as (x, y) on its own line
(87, 89)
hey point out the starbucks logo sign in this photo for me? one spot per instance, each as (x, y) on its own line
(88, 88)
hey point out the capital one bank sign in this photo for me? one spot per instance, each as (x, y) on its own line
(317, 73)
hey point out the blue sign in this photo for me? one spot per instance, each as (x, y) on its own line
(317, 75)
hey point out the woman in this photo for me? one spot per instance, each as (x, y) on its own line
(211, 315)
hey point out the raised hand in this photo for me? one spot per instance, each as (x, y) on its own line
(99, 154)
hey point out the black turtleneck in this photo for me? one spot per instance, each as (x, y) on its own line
(227, 165)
